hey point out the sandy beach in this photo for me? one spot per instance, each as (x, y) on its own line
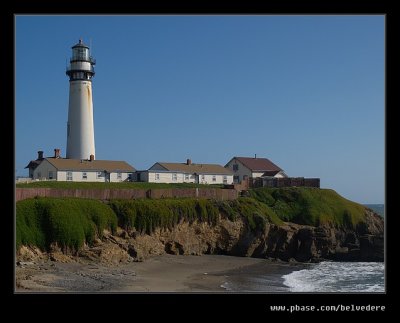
(159, 274)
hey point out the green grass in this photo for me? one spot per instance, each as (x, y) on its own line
(256, 213)
(70, 222)
(147, 215)
(103, 185)
(310, 206)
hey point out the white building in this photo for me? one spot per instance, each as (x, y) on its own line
(57, 168)
(253, 167)
(186, 173)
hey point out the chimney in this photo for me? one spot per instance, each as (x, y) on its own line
(255, 156)
(91, 158)
(56, 153)
(188, 162)
(40, 154)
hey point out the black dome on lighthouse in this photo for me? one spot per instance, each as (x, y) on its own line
(80, 44)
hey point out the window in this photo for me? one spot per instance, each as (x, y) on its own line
(50, 174)
(236, 179)
(119, 175)
(203, 178)
(214, 178)
(157, 176)
(84, 175)
(235, 167)
(99, 175)
(80, 53)
(69, 176)
(225, 179)
(174, 177)
(186, 177)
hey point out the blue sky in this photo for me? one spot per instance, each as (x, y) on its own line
(306, 92)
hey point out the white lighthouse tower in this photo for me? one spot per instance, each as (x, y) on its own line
(80, 128)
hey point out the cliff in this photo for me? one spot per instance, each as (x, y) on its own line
(246, 227)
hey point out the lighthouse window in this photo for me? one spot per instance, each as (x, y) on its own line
(80, 53)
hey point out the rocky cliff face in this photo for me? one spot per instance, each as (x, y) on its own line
(286, 242)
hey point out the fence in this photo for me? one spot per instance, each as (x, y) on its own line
(107, 194)
(285, 182)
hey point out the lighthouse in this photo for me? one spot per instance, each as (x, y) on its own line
(80, 128)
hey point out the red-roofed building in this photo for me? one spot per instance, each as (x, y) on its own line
(252, 167)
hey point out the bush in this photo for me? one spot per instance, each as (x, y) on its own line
(68, 222)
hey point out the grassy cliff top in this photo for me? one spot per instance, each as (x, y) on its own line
(311, 206)
(103, 185)
(71, 222)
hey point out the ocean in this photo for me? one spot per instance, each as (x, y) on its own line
(336, 277)
(378, 208)
(323, 277)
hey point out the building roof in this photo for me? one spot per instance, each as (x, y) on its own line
(34, 163)
(271, 173)
(196, 168)
(258, 164)
(80, 44)
(95, 165)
